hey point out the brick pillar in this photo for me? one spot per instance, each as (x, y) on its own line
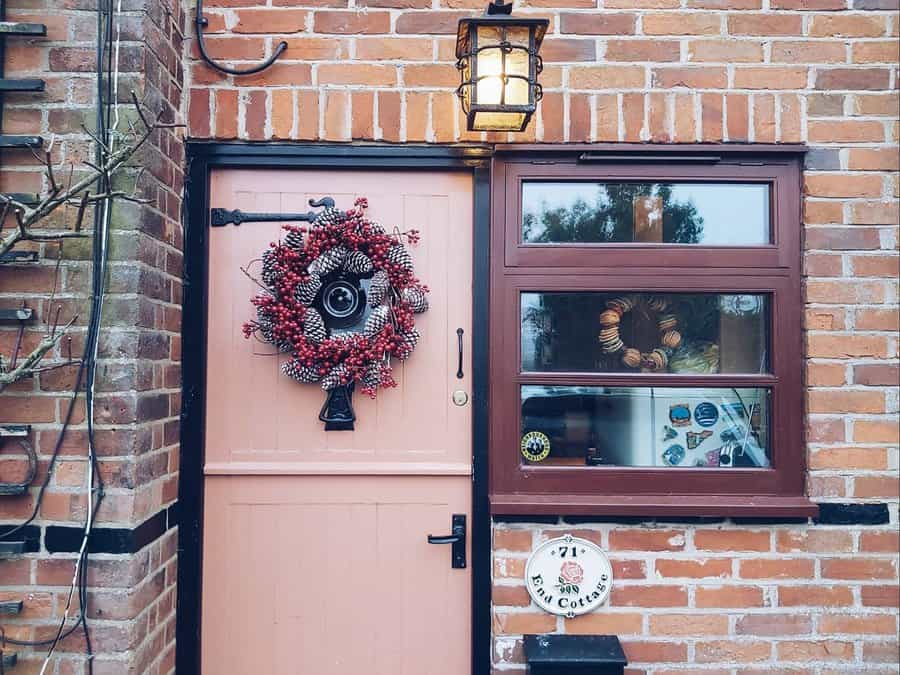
(132, 574)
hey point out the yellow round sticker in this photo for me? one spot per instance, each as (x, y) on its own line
(535, 446)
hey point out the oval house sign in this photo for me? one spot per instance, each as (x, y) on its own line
(568, 576)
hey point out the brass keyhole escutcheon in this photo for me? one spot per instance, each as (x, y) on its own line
(460, 397)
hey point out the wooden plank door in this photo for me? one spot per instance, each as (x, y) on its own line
(315, 560)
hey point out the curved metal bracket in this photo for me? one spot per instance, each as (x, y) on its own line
(201, 22)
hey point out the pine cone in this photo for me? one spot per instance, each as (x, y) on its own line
(416, 299)
(372, 378)
(328, 261)
(306, 291)
(329, 216)
(304, 374)
(398, 255)
(269, 275)
(358, 262)
(408, 344)
(314, 327)
(333, 378)
(294, 240)
(378, 288)
(377, 320)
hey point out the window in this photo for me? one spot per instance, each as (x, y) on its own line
(646, 349)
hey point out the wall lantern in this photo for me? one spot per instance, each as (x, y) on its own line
(497, 57)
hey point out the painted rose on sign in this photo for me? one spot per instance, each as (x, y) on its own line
(570, 575)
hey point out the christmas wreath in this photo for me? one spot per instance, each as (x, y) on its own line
(667, 323)
(340, 296)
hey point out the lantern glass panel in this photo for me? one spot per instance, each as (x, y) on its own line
(498, 121)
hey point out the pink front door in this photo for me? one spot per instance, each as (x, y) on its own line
(315, 560)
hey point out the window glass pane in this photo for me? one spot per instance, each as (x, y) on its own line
(711, 214)
(644, 426)
(617, 332)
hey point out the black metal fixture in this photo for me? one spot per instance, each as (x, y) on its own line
(574, 654)
(497, 57)
(457, 539)
(201, 22)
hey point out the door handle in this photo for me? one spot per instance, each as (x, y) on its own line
(459, 347)
(457, 539)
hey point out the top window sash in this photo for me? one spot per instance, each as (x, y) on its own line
(781, 253)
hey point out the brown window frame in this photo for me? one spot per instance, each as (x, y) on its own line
(774, 269)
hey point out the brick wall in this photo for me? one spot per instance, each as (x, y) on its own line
(719, 597)
(132, 582)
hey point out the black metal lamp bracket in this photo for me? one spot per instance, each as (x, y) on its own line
(202, 22)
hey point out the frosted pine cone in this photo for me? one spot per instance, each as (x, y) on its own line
(334, 378)
(378, 288)
(416, 299)
(377, 320)
(314, 327)
(410, 340)
(294, 240)
(372, 378)
(306, 291)
(329, 216)
(358, 262)
(329, 261)
(398, 255)
(304, 374)
(268, 267)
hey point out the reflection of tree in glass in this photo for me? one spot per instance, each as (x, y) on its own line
(611, 217)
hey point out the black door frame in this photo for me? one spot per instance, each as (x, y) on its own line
(202, 157)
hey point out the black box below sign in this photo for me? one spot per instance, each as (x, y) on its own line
(574, 654)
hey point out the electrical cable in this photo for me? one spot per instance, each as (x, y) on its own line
(89, 361)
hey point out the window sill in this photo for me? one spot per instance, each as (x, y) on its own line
(653, 505)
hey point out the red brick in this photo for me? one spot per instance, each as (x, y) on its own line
(732, 540)
(642, 50)
(691, 77)
(776, 568)
(876, 487)
(725, 51)
(598, 24)
(647, 595)
(510, 596)
(849, 458)
(879, 624)
(351, 22)
(268, 21)
(282, 113)
(877, 319)
(729, 596)
(773, 624)
(513, 540)
(654, 652)
(697, 569)
(646, 540)
(605, 623)
(731, 651)
(853, 78)
(337, 108)
(429, 23)
(690, 625)
(858, 568)
(804, 51)
(819, 650)
(607, 77)
(765, 24)
(362, 114)
(880, 542)
(308, 115)
(520, 624)
(815, 596)
(827, 25)
(699, 23)
(882, 595)
(762, 77)
(846, 131)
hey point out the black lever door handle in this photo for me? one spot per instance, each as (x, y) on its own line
(459, 346)
(447, 539)
(457, 538)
